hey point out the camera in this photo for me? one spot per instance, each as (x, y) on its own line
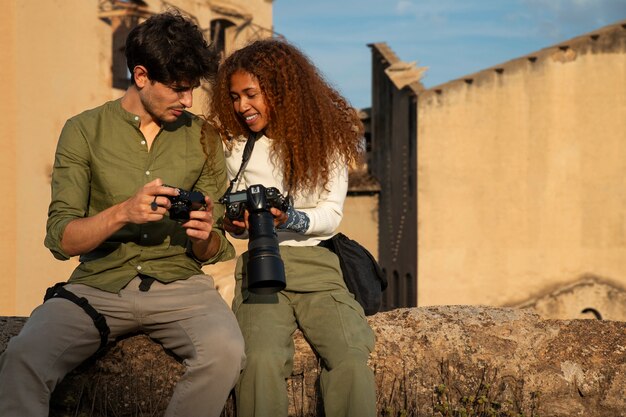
(265, 270)
(237, 203)
(183, 203)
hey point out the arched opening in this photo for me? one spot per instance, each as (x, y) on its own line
(220, 30)
(119, 69)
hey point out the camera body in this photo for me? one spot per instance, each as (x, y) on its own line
(255, 198)
(183, 203)
(265, 271)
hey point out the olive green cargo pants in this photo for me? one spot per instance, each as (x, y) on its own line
(316, 301)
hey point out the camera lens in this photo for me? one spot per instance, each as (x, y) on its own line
(265, 268)
(183, 203)
(179, 211)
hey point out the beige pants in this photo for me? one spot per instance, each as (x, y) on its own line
(188, 317)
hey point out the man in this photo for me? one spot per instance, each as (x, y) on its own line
(140, 270)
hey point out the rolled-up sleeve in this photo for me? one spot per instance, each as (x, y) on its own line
(70, 186)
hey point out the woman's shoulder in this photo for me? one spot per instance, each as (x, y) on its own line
(236, 145)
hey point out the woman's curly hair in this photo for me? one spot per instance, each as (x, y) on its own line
(311, 125)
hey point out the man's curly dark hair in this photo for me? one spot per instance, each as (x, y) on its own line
(311, 125)
(172, 48)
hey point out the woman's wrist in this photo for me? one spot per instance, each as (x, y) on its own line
(297, 221)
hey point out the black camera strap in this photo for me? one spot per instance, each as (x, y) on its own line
(58, 291)
(245, 157)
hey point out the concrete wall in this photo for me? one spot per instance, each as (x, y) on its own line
(360, 221)
(521, 167)
(8, 165)
(55, 60)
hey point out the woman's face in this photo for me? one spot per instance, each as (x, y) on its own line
(248, 100)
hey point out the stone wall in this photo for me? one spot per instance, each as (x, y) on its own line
(427, 362)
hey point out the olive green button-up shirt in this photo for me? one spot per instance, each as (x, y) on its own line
(101, 160)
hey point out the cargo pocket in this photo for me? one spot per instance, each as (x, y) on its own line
(356, 330)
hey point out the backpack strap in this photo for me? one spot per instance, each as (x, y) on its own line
(58, 291)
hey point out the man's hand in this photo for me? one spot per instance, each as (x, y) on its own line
(200, 222)
(204, 244)
(149, 204)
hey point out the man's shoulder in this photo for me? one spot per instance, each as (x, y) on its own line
(186, 121)
(192, 117)
(94, 113)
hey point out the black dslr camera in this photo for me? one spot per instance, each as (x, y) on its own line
(262, 199)
(265, 270)
(183, 203)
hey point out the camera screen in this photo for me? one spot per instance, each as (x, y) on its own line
(238, 197)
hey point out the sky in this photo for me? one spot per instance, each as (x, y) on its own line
(452, 38)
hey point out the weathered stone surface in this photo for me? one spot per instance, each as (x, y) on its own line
(9, 327)
(427, 362)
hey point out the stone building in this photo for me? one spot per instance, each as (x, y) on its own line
(507, 186)
(58, 58)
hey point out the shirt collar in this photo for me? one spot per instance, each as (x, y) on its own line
(127, 116)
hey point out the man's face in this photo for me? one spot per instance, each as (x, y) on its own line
(163, 102)
(166, 102)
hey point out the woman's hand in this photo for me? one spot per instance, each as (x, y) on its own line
(280, 217)
(236, 227)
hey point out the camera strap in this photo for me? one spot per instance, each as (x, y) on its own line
(245, 157)
(58, 291)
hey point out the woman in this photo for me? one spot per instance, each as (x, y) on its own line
(305, 136)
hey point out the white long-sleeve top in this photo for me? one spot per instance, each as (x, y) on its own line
(324, 208)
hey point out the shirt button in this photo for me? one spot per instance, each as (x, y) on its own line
(145, 235)
(143, 142)
(147, 172)
(136, 117)
(138, 267)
